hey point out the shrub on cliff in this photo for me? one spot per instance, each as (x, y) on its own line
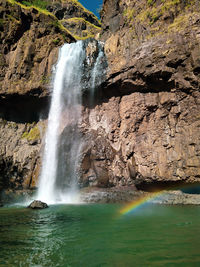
(39, 3)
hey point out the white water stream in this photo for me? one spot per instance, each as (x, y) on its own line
(58, 180)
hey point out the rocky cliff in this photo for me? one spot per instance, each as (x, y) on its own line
(145, 126)
(30, 35)
(142, 129)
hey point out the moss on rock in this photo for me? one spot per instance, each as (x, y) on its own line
(32, 135)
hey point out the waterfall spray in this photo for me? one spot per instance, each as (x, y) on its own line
(59, 175)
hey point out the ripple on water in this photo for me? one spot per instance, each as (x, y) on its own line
(94, 235)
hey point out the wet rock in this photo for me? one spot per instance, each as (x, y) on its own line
(37, 204)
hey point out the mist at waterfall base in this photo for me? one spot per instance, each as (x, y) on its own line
(75, 72)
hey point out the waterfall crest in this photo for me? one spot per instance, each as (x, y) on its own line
(76, 71)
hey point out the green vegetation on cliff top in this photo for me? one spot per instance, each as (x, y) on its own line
(23, 4)
(90, 30)
(154, 13)
(41, 6)
(38, 3)
(76, 19)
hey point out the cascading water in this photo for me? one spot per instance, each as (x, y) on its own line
(75, 72)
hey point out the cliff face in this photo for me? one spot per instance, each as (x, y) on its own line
(29, 40)
(145, 127)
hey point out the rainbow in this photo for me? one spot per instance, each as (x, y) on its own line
(143, 200)
(139, 202)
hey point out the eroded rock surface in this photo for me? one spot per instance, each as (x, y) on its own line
(29, 41)
(144, 126)
(20, 154)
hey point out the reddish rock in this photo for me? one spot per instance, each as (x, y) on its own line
(148, 112)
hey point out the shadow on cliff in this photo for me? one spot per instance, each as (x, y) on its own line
(121, 88)
(169, 185)
(24, 109)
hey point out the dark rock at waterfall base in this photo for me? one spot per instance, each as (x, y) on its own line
(1, 205)
(37, 204)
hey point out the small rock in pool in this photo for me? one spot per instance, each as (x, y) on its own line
(37, 204)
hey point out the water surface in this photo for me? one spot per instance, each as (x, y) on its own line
(96, 235)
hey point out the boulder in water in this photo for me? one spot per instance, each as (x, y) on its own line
(37, 204)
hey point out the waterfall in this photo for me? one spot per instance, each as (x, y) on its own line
(98, 72)
(75, 72)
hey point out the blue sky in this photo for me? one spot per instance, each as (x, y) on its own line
(92, 5)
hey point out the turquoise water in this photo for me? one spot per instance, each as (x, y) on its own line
(95, 235)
